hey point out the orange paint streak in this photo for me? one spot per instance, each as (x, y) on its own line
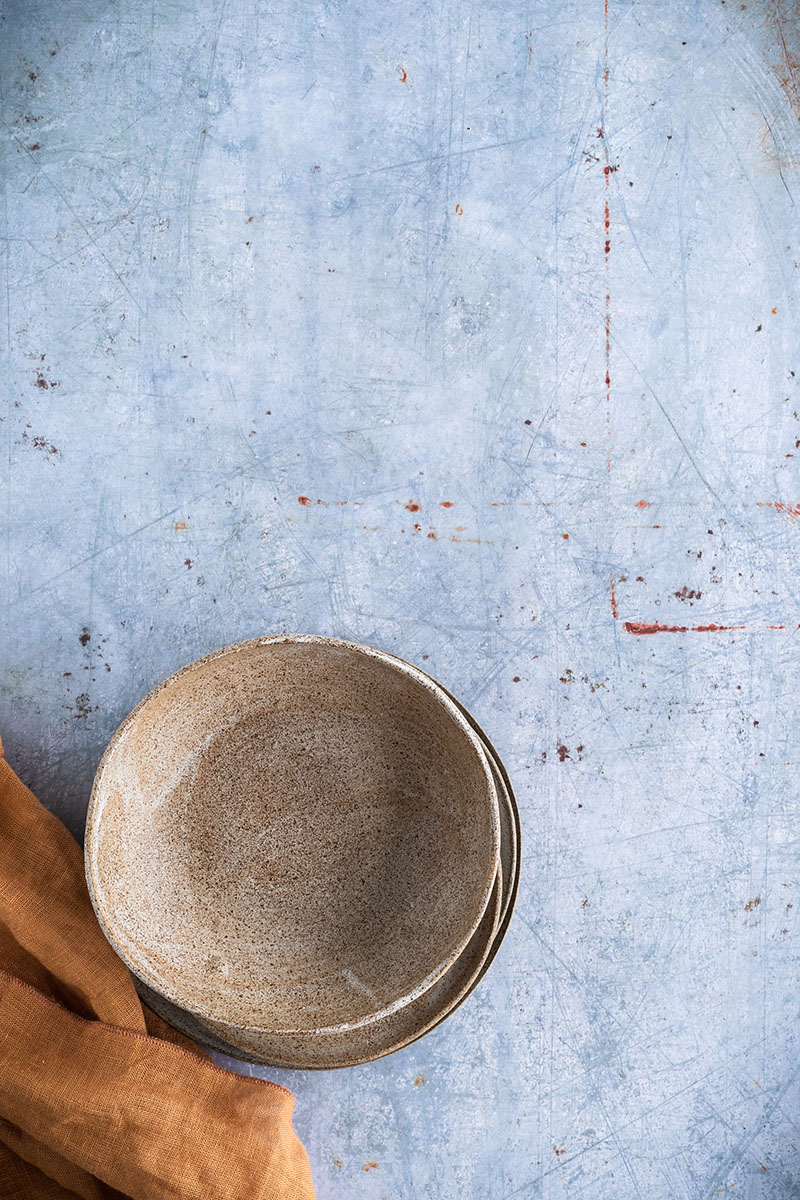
(790, 511)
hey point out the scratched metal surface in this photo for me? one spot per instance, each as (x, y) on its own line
(465, 330)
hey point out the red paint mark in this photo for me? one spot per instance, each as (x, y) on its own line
(614, 609)
(447, 503)
(459, 210)
(403, 74)
(644, 503)
(303, 500)
(640, 629)
(412, 506)
(773, 311)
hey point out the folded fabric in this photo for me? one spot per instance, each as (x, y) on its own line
(99, 1098)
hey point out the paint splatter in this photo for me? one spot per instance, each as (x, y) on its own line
(642, 629)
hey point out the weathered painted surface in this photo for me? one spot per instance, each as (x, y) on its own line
(468, 330)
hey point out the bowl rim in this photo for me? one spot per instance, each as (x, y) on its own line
(96, 803)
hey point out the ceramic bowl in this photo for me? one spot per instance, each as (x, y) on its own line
(293, 835)
(399, 1029)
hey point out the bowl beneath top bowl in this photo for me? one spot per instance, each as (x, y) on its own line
(292, 834)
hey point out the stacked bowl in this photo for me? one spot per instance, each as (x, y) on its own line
(305, 850)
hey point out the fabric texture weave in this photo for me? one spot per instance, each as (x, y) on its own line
(99, 1098)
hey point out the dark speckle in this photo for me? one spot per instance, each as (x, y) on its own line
(515, 679)
(35, 146)
(563, 752)
(187, 562)
(687, 593)
(84, 637)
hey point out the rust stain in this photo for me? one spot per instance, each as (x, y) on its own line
(687, 593)
(459, 210)
(419, 1081)
(303, 500)
(447, 503)
(403, 74)
(751, 904)
(178, 525)
(563, 752)
(787, 68)
(412, 506)
(370, 1166)
(614, 609)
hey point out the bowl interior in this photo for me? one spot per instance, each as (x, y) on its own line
(292, 834)
(333, 1050)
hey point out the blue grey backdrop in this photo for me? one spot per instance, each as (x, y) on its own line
(468, 330)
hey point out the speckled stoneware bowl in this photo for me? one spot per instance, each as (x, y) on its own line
(294, 835)
(399, 1029)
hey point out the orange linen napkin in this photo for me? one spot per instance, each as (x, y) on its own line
(98, 1097)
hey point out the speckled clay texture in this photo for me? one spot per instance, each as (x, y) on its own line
(293, 834)
(399, 1029)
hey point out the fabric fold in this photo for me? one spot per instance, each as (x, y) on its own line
(92, 1104)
